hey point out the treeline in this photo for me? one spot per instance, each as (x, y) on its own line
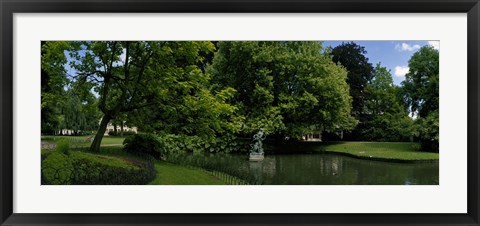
(215, 89)
(381, 108)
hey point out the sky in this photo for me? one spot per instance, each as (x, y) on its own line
(393, 55)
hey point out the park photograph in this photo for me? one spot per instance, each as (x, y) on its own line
(223, 112)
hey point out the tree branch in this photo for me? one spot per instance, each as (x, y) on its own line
(142, 70)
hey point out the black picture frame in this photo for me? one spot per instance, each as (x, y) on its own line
(9, 7)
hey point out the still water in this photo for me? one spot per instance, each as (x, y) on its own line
(329, 169)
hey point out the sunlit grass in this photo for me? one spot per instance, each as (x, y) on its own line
(381, 150)
(85, 141)
(171, 174)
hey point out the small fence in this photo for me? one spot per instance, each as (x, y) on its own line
(227, 178)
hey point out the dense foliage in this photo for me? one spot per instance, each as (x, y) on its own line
(160, 146)
(144, 144)
(385, 118)
(195, 144)
(53, 79)
(421, 87)
(352, 57)
(285, 88)
(57, 168)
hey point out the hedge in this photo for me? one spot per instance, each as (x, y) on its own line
(79, 168)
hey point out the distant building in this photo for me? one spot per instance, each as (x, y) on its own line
(313, 136)
(66, 132)
(111, 128)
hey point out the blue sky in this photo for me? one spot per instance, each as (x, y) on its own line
(393, 55)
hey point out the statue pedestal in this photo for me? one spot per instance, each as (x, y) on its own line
(256, 157)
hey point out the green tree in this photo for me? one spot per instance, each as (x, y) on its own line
(132, 75)
(74, 119)
(53, 80)
(352, 57)
(422, 81)
(427, 129)
(285, 88)
(421, 92)
(79, 115)
(91, 112)
(385, 117)
(190, 109)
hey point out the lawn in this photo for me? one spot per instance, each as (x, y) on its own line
(389, 151)
(171, 174)
(82, 140)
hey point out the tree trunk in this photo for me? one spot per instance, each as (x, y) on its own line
(115, 129)
(95, 147)
(121, 129)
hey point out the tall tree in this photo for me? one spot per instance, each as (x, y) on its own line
(421, 83)
(53, 80)
(285, 88)
(78, 114)
(352, 57)
(74, 119)
(421, 88)
(132, 75)
(385, 117)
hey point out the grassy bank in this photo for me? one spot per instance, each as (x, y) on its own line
(167, 173)
(384, 151)
(171, 174)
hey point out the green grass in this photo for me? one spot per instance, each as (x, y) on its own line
(113, 140)
(390, 151)
(171, 174)
(82, 140)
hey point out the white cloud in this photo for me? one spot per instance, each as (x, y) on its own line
(406, 47)
(121, 59)
(434, 44)
(123, 56)
(401, 71)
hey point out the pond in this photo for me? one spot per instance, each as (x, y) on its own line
(324, 169)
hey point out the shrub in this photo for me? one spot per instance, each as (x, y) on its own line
(158, 147)
(143, 144)
(128, 133)
(63, 146)
(95, 169)
(195, 144)
(57, 168)
(83, 168)
(428, 132)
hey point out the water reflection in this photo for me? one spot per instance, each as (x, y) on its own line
(331, 169)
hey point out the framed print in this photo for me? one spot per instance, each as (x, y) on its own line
(239, 112)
